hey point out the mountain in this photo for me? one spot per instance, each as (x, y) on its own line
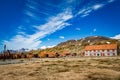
(77, 46)
(85, 41)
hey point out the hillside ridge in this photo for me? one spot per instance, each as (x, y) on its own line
(77, 46)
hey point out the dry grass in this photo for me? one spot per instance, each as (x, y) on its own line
(63, 69)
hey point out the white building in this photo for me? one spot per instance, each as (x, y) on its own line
(101, 50)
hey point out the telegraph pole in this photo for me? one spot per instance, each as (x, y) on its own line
(4, 52)
(4, 48)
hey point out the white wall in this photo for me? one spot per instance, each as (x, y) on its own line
(99, 52)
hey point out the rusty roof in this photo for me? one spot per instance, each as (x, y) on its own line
(101, 47)
(49, 53)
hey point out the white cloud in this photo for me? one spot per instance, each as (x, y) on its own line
(84, 15)
(116, 36)
(78, 29)
(81, 11)
(33, 41)
(94, 30)
(29, 13)
(85, 11)
(70, 1)
(61, 37)
(48, 39)
(44, 47)
(111, 1)
(31, 6)
(20, 41)
(97, 6)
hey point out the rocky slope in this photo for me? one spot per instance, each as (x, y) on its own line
(77, 46)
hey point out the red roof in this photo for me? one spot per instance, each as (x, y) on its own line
(101, 47)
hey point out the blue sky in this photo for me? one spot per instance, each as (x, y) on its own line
(36, 24)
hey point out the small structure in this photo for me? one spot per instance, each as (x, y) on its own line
(65, 54)
(48, 55)
(101, 50)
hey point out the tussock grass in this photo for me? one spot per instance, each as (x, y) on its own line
(67, 69)
(102, 76)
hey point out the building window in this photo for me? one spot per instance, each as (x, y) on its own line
(98, 54)
(113, 50)
(103, 54)
(94, 53)
(90, 54)
(113, 54)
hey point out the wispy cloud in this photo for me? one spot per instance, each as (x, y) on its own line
(94, 30)
(29, 13)
(97, 6)
(86, 10)
(21, 41)
(111, 1)
(116, 36)
(48, 39)
(33, 41)
(61, 37)
(31, 8)
(78, 29)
